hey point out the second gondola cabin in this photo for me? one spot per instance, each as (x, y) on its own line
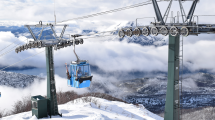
(80, 74)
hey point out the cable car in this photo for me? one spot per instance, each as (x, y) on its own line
(80, 74)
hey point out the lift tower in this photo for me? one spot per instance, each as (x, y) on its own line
(48, 42)
(174, 29)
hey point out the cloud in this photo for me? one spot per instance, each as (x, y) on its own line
(44, 9)
(8, 98)
(199, 55)
(109, 54)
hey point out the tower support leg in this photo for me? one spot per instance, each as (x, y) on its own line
(52, 108)
(172, 105)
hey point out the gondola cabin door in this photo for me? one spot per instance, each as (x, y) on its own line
(80, 75)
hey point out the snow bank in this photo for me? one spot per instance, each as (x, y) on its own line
(92, 108)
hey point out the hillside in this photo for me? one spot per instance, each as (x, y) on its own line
(17, 80)
(93, 108)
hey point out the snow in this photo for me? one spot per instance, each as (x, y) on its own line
(94, 109)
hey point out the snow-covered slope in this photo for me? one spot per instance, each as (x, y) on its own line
(93, 108)
(17, 80)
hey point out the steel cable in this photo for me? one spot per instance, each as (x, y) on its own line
(110, 11)
(22, 60)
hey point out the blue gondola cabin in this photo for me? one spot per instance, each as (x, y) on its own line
(80, 75)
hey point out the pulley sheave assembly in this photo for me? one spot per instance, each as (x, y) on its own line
(145, 31)
(184, 31)
(154, 31)
(137, 32)
(173, 31)
(163, 30)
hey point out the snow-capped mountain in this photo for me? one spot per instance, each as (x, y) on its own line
(198, 91)
(95, 109)
(17, 80)
(47, 34)
(142, 40)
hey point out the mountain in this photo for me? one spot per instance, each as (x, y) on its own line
(142, 40)
(94, 108)
(48, 34)
(17, 80)
(197, 91)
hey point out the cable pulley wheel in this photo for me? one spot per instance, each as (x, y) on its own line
(154, 31)
(173, 31)
(39, 44)
(35, 44)
(26, 46)
(76, 42)
(32, 45)
(20, 48)
(184, 31)
(164, 31)
(81, 41)
(121, 33)
(137, 32)
(16, 50)
(29, 45)
(129, 32)
(145, 31)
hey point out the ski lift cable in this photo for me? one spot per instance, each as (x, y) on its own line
(110, 11)
(11, 49)
(9, 45)
(88, 16)
(23, 60)
(97, 36)
(98, 33)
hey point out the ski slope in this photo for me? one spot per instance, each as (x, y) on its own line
(92, 108)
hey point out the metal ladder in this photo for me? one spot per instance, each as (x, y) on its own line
(180, 74)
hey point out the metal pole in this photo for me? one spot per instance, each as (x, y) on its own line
(172, 95)
(52, 108)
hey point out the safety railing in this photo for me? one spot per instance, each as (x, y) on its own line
(197, 21)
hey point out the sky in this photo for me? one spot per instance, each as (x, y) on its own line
(109, 55)
(35, 10)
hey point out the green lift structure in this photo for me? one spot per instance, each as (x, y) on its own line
(42, 107)
(174, 29)
(160, 26)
